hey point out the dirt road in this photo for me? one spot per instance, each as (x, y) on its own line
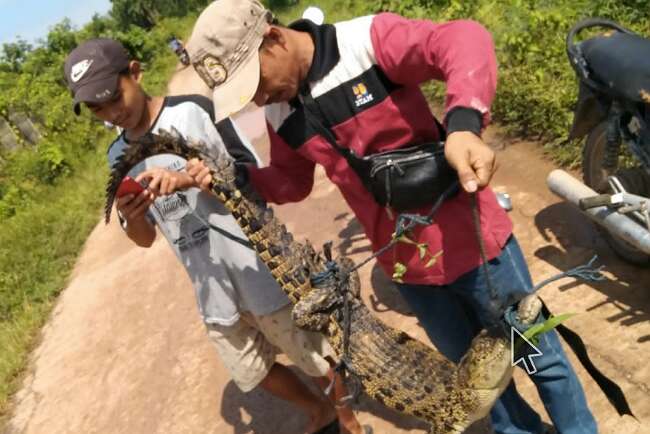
(125, 352)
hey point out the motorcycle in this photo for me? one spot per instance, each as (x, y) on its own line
(177, 47)
(613, 109)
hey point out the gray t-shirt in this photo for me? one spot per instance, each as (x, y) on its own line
(227, 276)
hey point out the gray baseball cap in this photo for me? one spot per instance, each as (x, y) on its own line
(92, 70)
(224, 50)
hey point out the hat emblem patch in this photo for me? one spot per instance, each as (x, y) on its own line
(79, 69)
(215, 70)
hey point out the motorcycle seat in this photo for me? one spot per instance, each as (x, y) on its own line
(620, 62)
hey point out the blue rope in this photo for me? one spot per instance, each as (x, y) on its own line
(320, 278)
(406, 222)
(332, 276)
(585, 272)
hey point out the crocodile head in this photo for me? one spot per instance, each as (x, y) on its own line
(313, 311)
(487, 364)
(486, 369)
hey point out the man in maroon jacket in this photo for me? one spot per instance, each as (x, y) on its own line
(363, 76)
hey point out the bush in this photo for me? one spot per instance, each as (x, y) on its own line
(537, 88)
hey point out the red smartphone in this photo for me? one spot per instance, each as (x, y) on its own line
(129, 186)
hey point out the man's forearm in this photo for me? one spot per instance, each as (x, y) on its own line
(141, 232)
(277, 186)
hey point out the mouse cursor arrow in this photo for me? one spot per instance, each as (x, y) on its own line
(527, 359)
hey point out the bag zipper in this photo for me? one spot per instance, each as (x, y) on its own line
(391, 163)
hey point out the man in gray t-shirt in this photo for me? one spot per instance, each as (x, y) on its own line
(228, 276)
(247, 315)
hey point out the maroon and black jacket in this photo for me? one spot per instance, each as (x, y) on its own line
(365, 79)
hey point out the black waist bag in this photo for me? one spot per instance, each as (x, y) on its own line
(405, 178)
(401, 179)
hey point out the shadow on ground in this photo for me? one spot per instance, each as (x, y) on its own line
(384, 296)
(352, 238)
(628, 289)
(261, 413)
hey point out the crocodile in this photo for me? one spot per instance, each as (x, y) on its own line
(391, 367)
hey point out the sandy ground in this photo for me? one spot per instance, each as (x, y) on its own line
(125, 351)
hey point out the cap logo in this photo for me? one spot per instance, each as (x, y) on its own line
(79, 69)
(215, 70)
(211, 71)
(104, 94)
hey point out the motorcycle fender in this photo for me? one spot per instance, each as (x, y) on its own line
(590, 110)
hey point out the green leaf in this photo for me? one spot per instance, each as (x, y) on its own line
(399, 270)
(422, 250)
(433, 260)
(536, 330)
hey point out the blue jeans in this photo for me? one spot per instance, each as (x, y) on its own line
(452, 314)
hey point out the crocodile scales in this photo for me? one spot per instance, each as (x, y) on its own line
(392, 367)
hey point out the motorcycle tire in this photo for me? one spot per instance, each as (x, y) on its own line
(595, 176)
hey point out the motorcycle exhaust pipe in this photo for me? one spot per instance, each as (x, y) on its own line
(567, 187)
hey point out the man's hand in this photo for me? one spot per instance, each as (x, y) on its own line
(163, 182)
(133, 207)
(473, 160)
(200, 173)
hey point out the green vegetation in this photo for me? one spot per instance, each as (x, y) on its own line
(146, 13)
(537, 88)
(51, 189)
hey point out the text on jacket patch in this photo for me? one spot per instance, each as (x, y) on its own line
(362, 95)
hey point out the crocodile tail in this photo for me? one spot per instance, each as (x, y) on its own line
(139, 150)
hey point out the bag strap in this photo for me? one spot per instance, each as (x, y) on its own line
(244, 242)
(313, 116)
(612, 391)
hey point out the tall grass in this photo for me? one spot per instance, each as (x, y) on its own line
(38, 248)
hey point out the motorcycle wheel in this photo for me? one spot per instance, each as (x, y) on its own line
(634, 179)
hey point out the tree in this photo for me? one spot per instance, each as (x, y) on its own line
(61, 37)
(141, 13)
(99, 26)
(13, 55)
(145, 13)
